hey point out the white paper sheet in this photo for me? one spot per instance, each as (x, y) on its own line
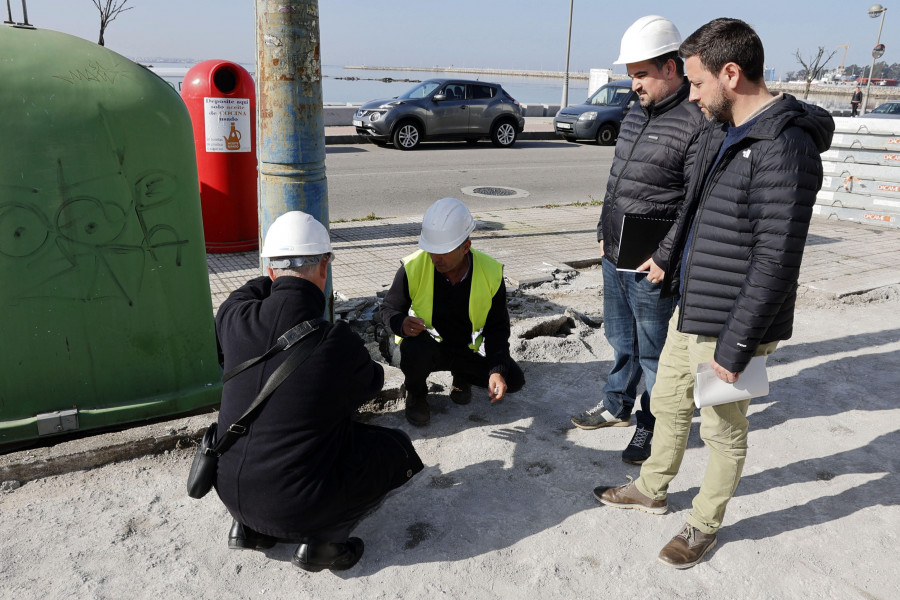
(709, 390)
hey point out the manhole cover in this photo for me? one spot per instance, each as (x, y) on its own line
(494, 191)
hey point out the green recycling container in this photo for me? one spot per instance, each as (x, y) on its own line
(105, 309)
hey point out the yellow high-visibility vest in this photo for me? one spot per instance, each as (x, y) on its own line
(487, 275)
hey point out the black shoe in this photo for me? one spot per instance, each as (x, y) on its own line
(242, 537)
(638, 449)
(460, 390)
(417, 410)
(313, 555)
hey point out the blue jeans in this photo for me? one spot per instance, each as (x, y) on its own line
(635, 319)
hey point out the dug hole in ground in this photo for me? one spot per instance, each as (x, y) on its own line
(504, 507)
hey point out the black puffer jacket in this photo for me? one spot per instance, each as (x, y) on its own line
(304, 465)
(653, 156)
(750, 223)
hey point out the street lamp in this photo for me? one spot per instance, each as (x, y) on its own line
(875, 11)
(565, 91)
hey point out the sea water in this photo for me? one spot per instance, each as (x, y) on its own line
(364, 84)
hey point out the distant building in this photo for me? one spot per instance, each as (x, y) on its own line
(769, 74)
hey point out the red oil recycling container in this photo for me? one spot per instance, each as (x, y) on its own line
(221, 100)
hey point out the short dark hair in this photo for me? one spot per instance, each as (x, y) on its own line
(661, 60)
(722, 41)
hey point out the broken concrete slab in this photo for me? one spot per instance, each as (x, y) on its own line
(551, 325)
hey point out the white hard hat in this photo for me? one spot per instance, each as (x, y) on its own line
(647, 38)
(295, 233)
(446, 224)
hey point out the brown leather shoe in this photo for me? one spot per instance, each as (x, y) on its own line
(628, 496)
(687, 548)
(417, 410)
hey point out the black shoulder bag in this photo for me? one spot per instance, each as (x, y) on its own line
(203, 469)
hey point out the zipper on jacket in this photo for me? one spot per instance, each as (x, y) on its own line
(650, 116)
(630, 154)
(707, 187)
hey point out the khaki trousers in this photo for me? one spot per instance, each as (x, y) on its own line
(723, 429)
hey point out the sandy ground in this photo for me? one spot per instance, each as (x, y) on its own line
(504, 507)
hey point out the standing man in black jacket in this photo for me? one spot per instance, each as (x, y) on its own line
(648, 177)
(304, 470)
(742, 233)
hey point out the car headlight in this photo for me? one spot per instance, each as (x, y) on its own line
(375, 116)
(588, 116)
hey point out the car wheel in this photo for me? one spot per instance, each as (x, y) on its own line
(407, 136)
(504, 134)
(606, 135)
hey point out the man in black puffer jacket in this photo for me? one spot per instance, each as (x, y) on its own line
(741, 234)
(654, 154)
(304, 470)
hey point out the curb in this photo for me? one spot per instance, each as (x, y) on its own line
(131, 441)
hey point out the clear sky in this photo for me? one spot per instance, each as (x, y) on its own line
(506, 34)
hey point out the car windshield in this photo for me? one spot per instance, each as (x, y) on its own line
(422, 90)
(890, 108)
(609, 96)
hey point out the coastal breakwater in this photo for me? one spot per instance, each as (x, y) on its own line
(476, 71)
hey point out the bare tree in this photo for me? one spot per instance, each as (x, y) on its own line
(109, 10)
(813, 66)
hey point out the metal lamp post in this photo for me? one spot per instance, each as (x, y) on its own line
(565, 91)
(875, 11)
(291, 122)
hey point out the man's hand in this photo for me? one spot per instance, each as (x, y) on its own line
(656, 274)
(602, 250)
(723, 373)
(496, 387)
(413, 326)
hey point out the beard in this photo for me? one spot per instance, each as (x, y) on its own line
(719, 108)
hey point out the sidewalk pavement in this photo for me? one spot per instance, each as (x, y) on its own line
(841, 259)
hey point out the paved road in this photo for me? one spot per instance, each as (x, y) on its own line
(365, 178)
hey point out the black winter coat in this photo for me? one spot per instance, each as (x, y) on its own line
(649, 174)
(750, 217)
(303, 465)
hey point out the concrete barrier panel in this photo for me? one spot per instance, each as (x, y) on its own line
(339, 116)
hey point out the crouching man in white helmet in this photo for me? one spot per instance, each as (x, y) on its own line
(448, 307)
(304, 470)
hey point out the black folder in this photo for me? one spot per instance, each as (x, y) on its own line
(640, 238)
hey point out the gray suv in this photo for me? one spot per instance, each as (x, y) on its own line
(443, 109)
(599, 117)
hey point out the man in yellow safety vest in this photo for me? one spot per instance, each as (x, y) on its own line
(447, 307)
